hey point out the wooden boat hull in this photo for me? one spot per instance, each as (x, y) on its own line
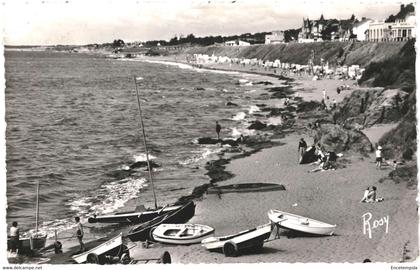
(103, 248)
(300, 223)
(245, 239)
(143, 231)
(133, 217)
(245, 187)
(181, 234)
(28, 246)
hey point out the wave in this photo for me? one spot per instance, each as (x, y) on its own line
(142, 157)
(239, 116)
(201, 155)
(253, 109)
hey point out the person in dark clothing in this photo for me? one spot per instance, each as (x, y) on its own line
(302, 148)
(14, 237)
(218, 129)
(80, 233)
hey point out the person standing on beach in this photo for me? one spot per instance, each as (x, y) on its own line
(378, 155)
(301, 148)
(80, 233)
(14, 237)
(218, 129)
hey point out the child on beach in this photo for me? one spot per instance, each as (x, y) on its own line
(378, 155)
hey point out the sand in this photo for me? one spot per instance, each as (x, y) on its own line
(329, 196)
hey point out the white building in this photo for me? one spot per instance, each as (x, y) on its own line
(404, 28)
(276, 37)
(361, 29)
(237, 43)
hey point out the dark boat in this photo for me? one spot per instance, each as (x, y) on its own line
(143, 232)
(134, 217)
(245, 187)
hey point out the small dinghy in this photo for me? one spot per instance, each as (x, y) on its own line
(300, 223)
(230, 244)
(113, 244)
(181, 234)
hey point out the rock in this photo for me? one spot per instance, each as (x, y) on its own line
(231, 104)
(309, 106)
(264, 83)
(140, 164)
(257, 125)
(200, 88)
(337, 139)
(376, 106)
(209, 140)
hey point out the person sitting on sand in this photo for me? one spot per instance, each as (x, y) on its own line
(370, 195)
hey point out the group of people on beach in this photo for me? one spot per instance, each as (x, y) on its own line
(14, 234)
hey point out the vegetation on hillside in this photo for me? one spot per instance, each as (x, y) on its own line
(397, 71)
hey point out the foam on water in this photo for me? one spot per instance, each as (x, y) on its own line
(237, 132)
(274, 121)
(200, 155)
(142, 157)
(239, 116)
(253, 109)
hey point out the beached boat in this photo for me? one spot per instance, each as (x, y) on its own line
(107, 247)
(181, 234)
(35, 241)
(230, 244)
(133, 217)
(245, 187)
(143, 231)
(300, 223)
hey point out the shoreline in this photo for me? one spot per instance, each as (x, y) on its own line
(227, 168)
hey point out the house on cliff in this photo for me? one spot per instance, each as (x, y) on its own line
(323, 29)
(360, 29)
(275, 37)
(400, 27)
(237, 42)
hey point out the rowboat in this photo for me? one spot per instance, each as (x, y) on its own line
(143, 231)
(230, 244)
(300, 223)
(103, 249)
(181, 234)
(133, 217)
(245, 187)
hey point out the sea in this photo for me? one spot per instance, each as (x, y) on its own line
(73, 125)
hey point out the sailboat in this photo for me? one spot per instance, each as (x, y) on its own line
(141, 214)
(36, 240)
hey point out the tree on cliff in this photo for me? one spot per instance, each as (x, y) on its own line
(118, 43)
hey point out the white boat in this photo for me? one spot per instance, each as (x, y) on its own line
(99, 250)
(181, 234)
(231, 244)
(300, 223)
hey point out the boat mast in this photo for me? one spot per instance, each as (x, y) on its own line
(37, 208)
(144, 141)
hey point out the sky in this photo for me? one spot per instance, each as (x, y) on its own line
(78, 22)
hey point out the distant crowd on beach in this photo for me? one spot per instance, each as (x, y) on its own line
(324, 70)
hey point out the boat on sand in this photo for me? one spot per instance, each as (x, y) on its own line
(181, 234)
(300, 223)
(113, 245)
(230, 244)
(142, 232)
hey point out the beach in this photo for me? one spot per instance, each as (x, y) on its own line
(331, 196)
